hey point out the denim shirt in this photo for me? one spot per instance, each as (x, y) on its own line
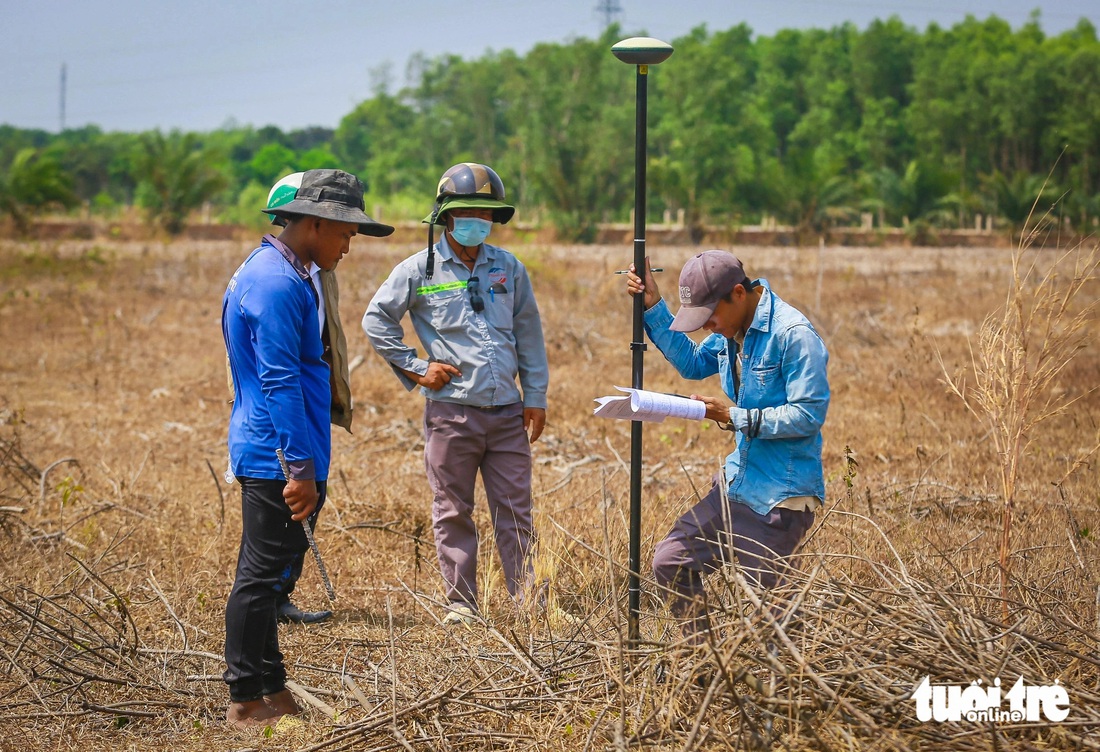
(783, 366)
(491, 347)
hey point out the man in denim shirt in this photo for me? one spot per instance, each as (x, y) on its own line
(772, 364)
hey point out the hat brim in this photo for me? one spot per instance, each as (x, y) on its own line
(691, 318)
(502, 212)
(334, 211)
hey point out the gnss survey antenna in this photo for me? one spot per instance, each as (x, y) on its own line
(641, 52)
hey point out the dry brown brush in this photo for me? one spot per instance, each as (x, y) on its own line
(120, 538)
(1023, 352)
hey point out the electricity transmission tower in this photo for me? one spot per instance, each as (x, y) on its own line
(610, 10)
(63, 71)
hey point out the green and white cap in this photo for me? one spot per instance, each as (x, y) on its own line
(281, 193)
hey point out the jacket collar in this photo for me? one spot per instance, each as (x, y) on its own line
(288, 254)
(762, 319)
(443, 248)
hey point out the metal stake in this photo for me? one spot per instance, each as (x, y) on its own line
(641, 52)
(309, 536)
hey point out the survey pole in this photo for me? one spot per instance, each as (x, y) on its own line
(641, 52)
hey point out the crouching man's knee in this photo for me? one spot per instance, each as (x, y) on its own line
(667, 566)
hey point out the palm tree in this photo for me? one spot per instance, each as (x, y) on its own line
(820, 205)
(919, 193)
(1014, 197)
(176, 178)
(33, 182)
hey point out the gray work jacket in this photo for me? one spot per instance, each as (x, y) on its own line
(490, 347)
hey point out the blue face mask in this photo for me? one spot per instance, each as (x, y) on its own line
(471, 231)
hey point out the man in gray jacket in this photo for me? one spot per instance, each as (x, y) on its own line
(474, 312)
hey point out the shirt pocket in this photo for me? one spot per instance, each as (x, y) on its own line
(446, 310)
(499, 302)
(764, 382)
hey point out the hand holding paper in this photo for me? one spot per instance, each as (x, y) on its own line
(653, 407)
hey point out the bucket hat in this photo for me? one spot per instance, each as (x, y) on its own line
(329, 194)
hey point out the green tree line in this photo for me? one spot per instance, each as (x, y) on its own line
(809, 128)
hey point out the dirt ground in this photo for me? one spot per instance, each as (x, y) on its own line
(120, 536)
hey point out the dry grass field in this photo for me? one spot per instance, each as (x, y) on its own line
(119, 537)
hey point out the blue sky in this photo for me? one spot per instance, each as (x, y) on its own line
(141, 64)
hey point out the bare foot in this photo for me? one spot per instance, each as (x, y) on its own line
(245, 715)
(283, 703)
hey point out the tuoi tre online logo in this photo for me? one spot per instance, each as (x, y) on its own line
(951, 702)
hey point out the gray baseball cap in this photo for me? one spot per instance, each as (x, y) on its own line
(706, 278)
(331, 194)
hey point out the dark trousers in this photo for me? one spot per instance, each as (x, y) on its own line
(295, 570)
(710, 535)
(270, 559)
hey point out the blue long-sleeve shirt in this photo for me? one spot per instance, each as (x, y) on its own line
(783, 375)
(281, 390)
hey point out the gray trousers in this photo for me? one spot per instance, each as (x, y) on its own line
(460, 441)
(703, 540)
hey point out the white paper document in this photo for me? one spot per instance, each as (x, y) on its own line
(654, 407)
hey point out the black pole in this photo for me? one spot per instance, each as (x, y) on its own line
(637, 351)
(641, 52)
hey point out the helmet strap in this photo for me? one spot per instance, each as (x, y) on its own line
(429, 268)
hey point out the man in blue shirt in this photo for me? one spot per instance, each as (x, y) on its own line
(336, 355)
(281, 400)
(772, 365)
